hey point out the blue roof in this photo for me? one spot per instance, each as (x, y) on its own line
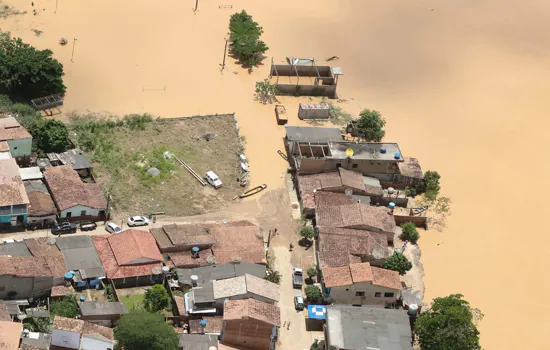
(317, 312)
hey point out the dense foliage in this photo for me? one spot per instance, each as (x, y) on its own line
(273, 277)
(26, 72)
(307, 232)
(66, 307)
(429, 185)
(245, 38)
(398, 262)
(24, 113)
(141, 330)
(156, 298)
(312, 272)
(313, 293)
(371, 125)
(409, 233)
(450, 324)
(49, 135)
(266, 92)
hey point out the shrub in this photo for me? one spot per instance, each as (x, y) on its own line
(49, 135)
(273, 277)
(371, 125)
(307, 232)
(429, 185)
(156, 298)
(140, 330)
(398, 262)
(409, 233)
(313, 293)
(66, 307)
(312, 272)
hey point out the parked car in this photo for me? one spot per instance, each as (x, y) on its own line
(297, 278)
(213, 179)
(88, 226)
(138, 221)
(298, 302)
(111, 227)
(63, 228)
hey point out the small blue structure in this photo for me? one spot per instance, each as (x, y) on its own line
(317, 312)
(203, 323)
(391, 205)
(82, 298)
(397, 155)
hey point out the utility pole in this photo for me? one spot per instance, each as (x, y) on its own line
(196, 5)
(224, 53)
(55, 11)
(72, 55)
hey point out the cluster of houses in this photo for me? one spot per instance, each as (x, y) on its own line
(37, 192)
(354, 194)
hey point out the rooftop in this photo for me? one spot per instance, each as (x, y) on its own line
(80, 255)
(43, 246)
(353, 215)
(361, 272)
(246, 309)
(198, 341)
(220, 272)
(10, 333)
(113, 249)
(10, 129)
(204, 293)
(68, 190)
(4, 147)
(97, 308)
(245, 284)
(41, 202)
(15, 249)
(312, 134)
(4, 313)
(36, 341)
(72, 157)
(11, 185)
(355, 328)
(367, 150)
(411, 168)
(213, 325)
(32, 266)
(82, 327)
(31, 173)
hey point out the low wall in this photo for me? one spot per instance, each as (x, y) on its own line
(307, 90)
(419, 221)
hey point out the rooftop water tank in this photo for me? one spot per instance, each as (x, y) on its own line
(383, 150)
(397, 155)
(165, 270)
(82, 298)
(390, 190)
(203, 323)
(195, 252)
(194, 280)
(391, 205)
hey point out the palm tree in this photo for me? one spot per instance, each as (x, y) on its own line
(273, 276)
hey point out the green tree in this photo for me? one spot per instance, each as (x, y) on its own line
(409, 233)
(66, 307)
(429, 185)
(307, 232)
(244, 35)
(312, 272)
(273, 277)
(313, 293)
(398, 262)
(315, 345)
(371, 125)
(449, 324)
(49, 136)
(38, 324)
(27, 72)
(140, 330)
(156, 298)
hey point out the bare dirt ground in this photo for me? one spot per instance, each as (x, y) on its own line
(204, 143)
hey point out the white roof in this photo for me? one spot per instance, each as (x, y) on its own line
(32, 173)
(5, 155)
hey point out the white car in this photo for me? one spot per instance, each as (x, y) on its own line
(138, 221)
(112, 228)
(213, 179)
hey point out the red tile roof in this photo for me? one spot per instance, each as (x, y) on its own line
(252, 309)
(42, 247)
(180, 305)
(213, 325)
(68, 190)
(238, 241)
(10, 129)
(354, 215)
(332, 199)
(186, 260)
(361, 272)
(386, 278)
(337, 276)
(110, 265)
(82, 327)
(60, 291)
(4, 147)
(11, 186)
(32, 266)
(132, 245)
(10, 334)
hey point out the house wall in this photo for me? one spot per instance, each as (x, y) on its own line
(66, 339)
(346, 294)
(95, 344)
(249, 333)
(77, 210)
(25, 286)
(130, 282)
(20, 148)
(42, 220)
(385, 169)
(419, 221)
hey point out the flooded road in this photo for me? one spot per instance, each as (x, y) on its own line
(463, 86)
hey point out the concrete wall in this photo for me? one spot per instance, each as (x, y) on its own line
(66, 339)
(346, 294)
(130, 282)
(419, 221)
(307, 90)
(365, 166)
(76, 211)
(249, 333)
(20, 148)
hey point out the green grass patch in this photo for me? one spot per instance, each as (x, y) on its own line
(133, 302)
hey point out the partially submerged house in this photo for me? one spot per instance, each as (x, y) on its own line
(194, 245)
(42, 210)
(17, 138)
(104, 313)
(130, 258)
(82, 259)
(358, 328)
(250, 324)
(75, 200)
(13, 199)
(361, 284)
(357, 216)
(342, 247)
(70, 333)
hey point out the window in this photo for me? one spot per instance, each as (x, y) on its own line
(338, 165)
(377, 294)
(354, 166)
(15, 148)
(347, 289)
(69, 214)
(83, 213)
(359, 294)
(388, 295)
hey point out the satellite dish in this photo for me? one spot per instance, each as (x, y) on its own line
(349, 152)
(21, 317)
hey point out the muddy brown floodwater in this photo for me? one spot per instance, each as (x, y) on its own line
(463, 84)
